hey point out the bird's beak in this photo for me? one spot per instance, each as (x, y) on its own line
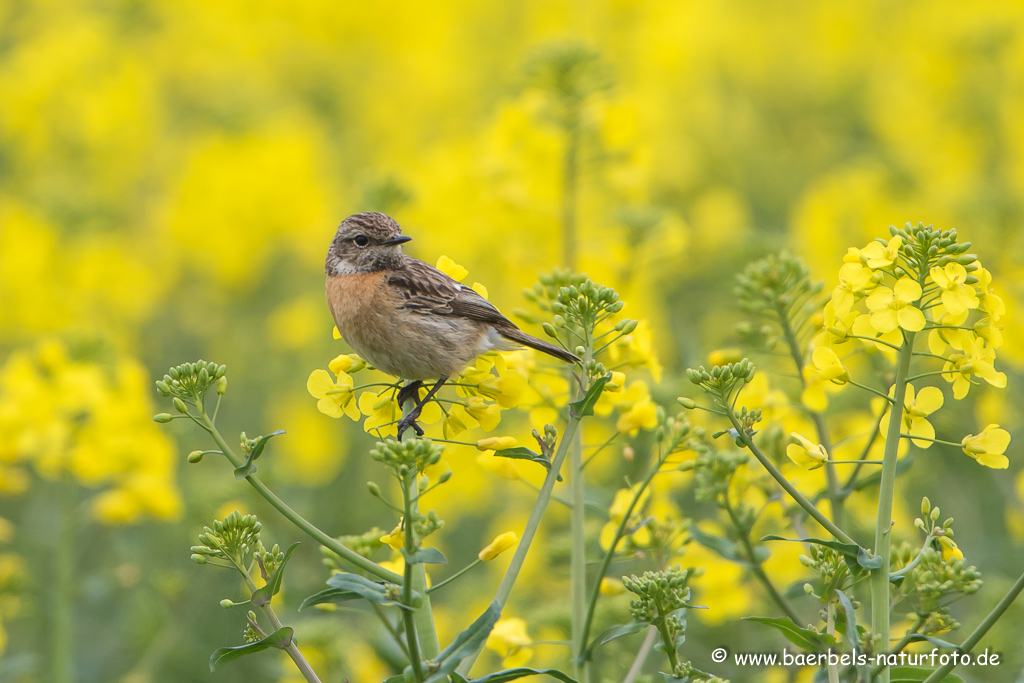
(396, 240)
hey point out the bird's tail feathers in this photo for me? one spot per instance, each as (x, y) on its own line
(518, 336)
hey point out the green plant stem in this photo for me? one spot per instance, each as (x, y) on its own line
(293, 650)
(755, 564)
(411, 637)
(578, 535)
(641, 655)
(536, 515)
(62, 641)
(455, 575)
(886, 490)
(830, 629)
(800, 499)
(832, 482)
(983, 628)
(903, 642)
(620, 532)
(423, 615)
(666, 639)
(295, 518)
(390, 628)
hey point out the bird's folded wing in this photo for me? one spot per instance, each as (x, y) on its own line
(427, 290)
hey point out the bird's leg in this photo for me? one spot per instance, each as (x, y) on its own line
(409, 391)
(410, 419)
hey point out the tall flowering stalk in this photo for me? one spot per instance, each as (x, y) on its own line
(918, 285)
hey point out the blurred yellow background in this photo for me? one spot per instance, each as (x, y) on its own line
(171, 174)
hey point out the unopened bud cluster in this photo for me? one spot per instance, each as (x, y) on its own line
(230, 539)
(924, 246)
(777, 283)
(189, 382)
(938, 581)
(411, 455)
(722, 379)
(713, 473)
(929, 520)
(365, 544)
(660, 593)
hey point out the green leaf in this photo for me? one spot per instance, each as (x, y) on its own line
(585, 406)
(851, 552)
(867, 560)
(345, 587)
(722, 546)
(522, 672)
(804, 638)
(909, 674)
(523, 453)
(279, 639)
(611, 634)
(466, 643)
(851, 618)
(249, 466)
(262, 596)
(937, 642)
(424, 556)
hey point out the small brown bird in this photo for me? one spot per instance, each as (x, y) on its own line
(407, 318)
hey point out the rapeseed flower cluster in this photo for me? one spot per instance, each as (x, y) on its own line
(63, 418)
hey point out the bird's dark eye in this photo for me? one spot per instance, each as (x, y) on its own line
(361, 240)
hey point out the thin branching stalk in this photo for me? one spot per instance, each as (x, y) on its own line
(536, 515)
(298, 520)
(293, 650)
(411, 637)
(887, 488)
(801, 500)
(983, 628)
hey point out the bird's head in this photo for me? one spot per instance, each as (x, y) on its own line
(366, 243)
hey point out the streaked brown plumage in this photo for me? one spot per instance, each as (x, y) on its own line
(407, 318)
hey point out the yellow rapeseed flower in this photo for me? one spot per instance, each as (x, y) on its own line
(976, 359)
(825, 370)
(893, 308)
(988, 447)
(382, 412)
(395, 539)
(511, 641)
(957, 296)
(643, 414)
(916, 409)
(987, 299)
(335, 397)
(950, 550)
(854, 281)
(496, 443)
(500, 544)
(806, 453)
(451, 268)
(875, 255)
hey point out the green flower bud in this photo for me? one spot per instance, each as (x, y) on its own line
(549, 330)
(179, 405)
(373, 488)
(163, 418)
(445, 476)
(227, 604)
(926, 505)
(687, 403)
(222, 385)
(199, 559)
(195, 456)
